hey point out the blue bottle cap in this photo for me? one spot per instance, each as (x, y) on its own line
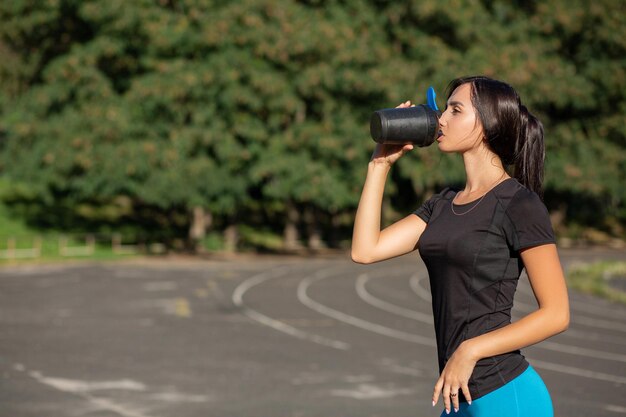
(430, 99)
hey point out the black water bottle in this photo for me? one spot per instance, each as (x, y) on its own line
(418, 125)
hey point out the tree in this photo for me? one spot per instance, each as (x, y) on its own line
(169, 117)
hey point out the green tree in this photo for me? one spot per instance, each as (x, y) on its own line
(172, 116)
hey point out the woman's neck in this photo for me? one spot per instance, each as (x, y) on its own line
(483, 169)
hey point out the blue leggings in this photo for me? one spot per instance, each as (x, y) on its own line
(526, 395)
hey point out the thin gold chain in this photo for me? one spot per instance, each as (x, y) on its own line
(498, 181)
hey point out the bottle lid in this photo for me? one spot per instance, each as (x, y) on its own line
(430, 99)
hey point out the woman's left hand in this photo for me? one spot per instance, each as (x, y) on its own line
(455, 376)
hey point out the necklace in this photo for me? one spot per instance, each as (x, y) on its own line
(498, 181)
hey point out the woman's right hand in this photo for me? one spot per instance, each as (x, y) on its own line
(389, 154)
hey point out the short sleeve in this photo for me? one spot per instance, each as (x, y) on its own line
(426, 210)
(528, 221)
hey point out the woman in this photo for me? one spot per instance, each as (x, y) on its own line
(475, 243)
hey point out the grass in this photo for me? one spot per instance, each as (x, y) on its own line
(51, 244)
(24, 237)
(10, 226)
(596, 279)
(16, 234)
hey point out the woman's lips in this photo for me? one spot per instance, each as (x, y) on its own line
(439, 135)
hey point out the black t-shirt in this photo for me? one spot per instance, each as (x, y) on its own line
(474, 265)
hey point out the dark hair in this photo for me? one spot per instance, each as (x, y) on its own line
(510, 130)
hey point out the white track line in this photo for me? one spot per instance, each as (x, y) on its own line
(373, 327)
(557, 347)
(603, 324)
(81, 389)
(570, 370)
(577, 318)
(354, 321)
(386, 306)
(415, 283)
(585, 308)
(273, 323)
(427, 318)
(580, 351)
(594, 337)
(423, 293)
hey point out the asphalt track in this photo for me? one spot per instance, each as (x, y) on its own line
(265, 337)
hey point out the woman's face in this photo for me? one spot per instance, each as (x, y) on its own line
(459, 123)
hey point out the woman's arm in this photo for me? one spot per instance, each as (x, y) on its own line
(369, 244)
(552, 317)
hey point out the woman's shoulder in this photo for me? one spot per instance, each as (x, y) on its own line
(446, 194)
(516, 194)
(431, 203)
(519, 201)
(526, 219)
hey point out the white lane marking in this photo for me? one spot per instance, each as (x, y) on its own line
(255, 280)
(76, 386)
(426, 318)
(352, 320)
(386, 306)
(604, 324)
(107, 404)
(589, 336)
(526, 288)
(176, 397)
(424, 294)
(575, 350)
(82, 389)
(547, 345)
(585, 321)
(576, 318)
(615, 408)
(370, 391)
(415, 283)
(577, 371)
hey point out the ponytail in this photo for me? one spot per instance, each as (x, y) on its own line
(530, 152)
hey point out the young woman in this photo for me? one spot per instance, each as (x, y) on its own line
(475, 243)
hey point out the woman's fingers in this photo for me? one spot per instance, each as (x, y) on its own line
(454, 397)
(466, 393)
(446, 398)
(438, 387)
(405, 104)
(450, 394)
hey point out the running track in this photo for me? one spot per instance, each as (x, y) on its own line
(266, 337)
